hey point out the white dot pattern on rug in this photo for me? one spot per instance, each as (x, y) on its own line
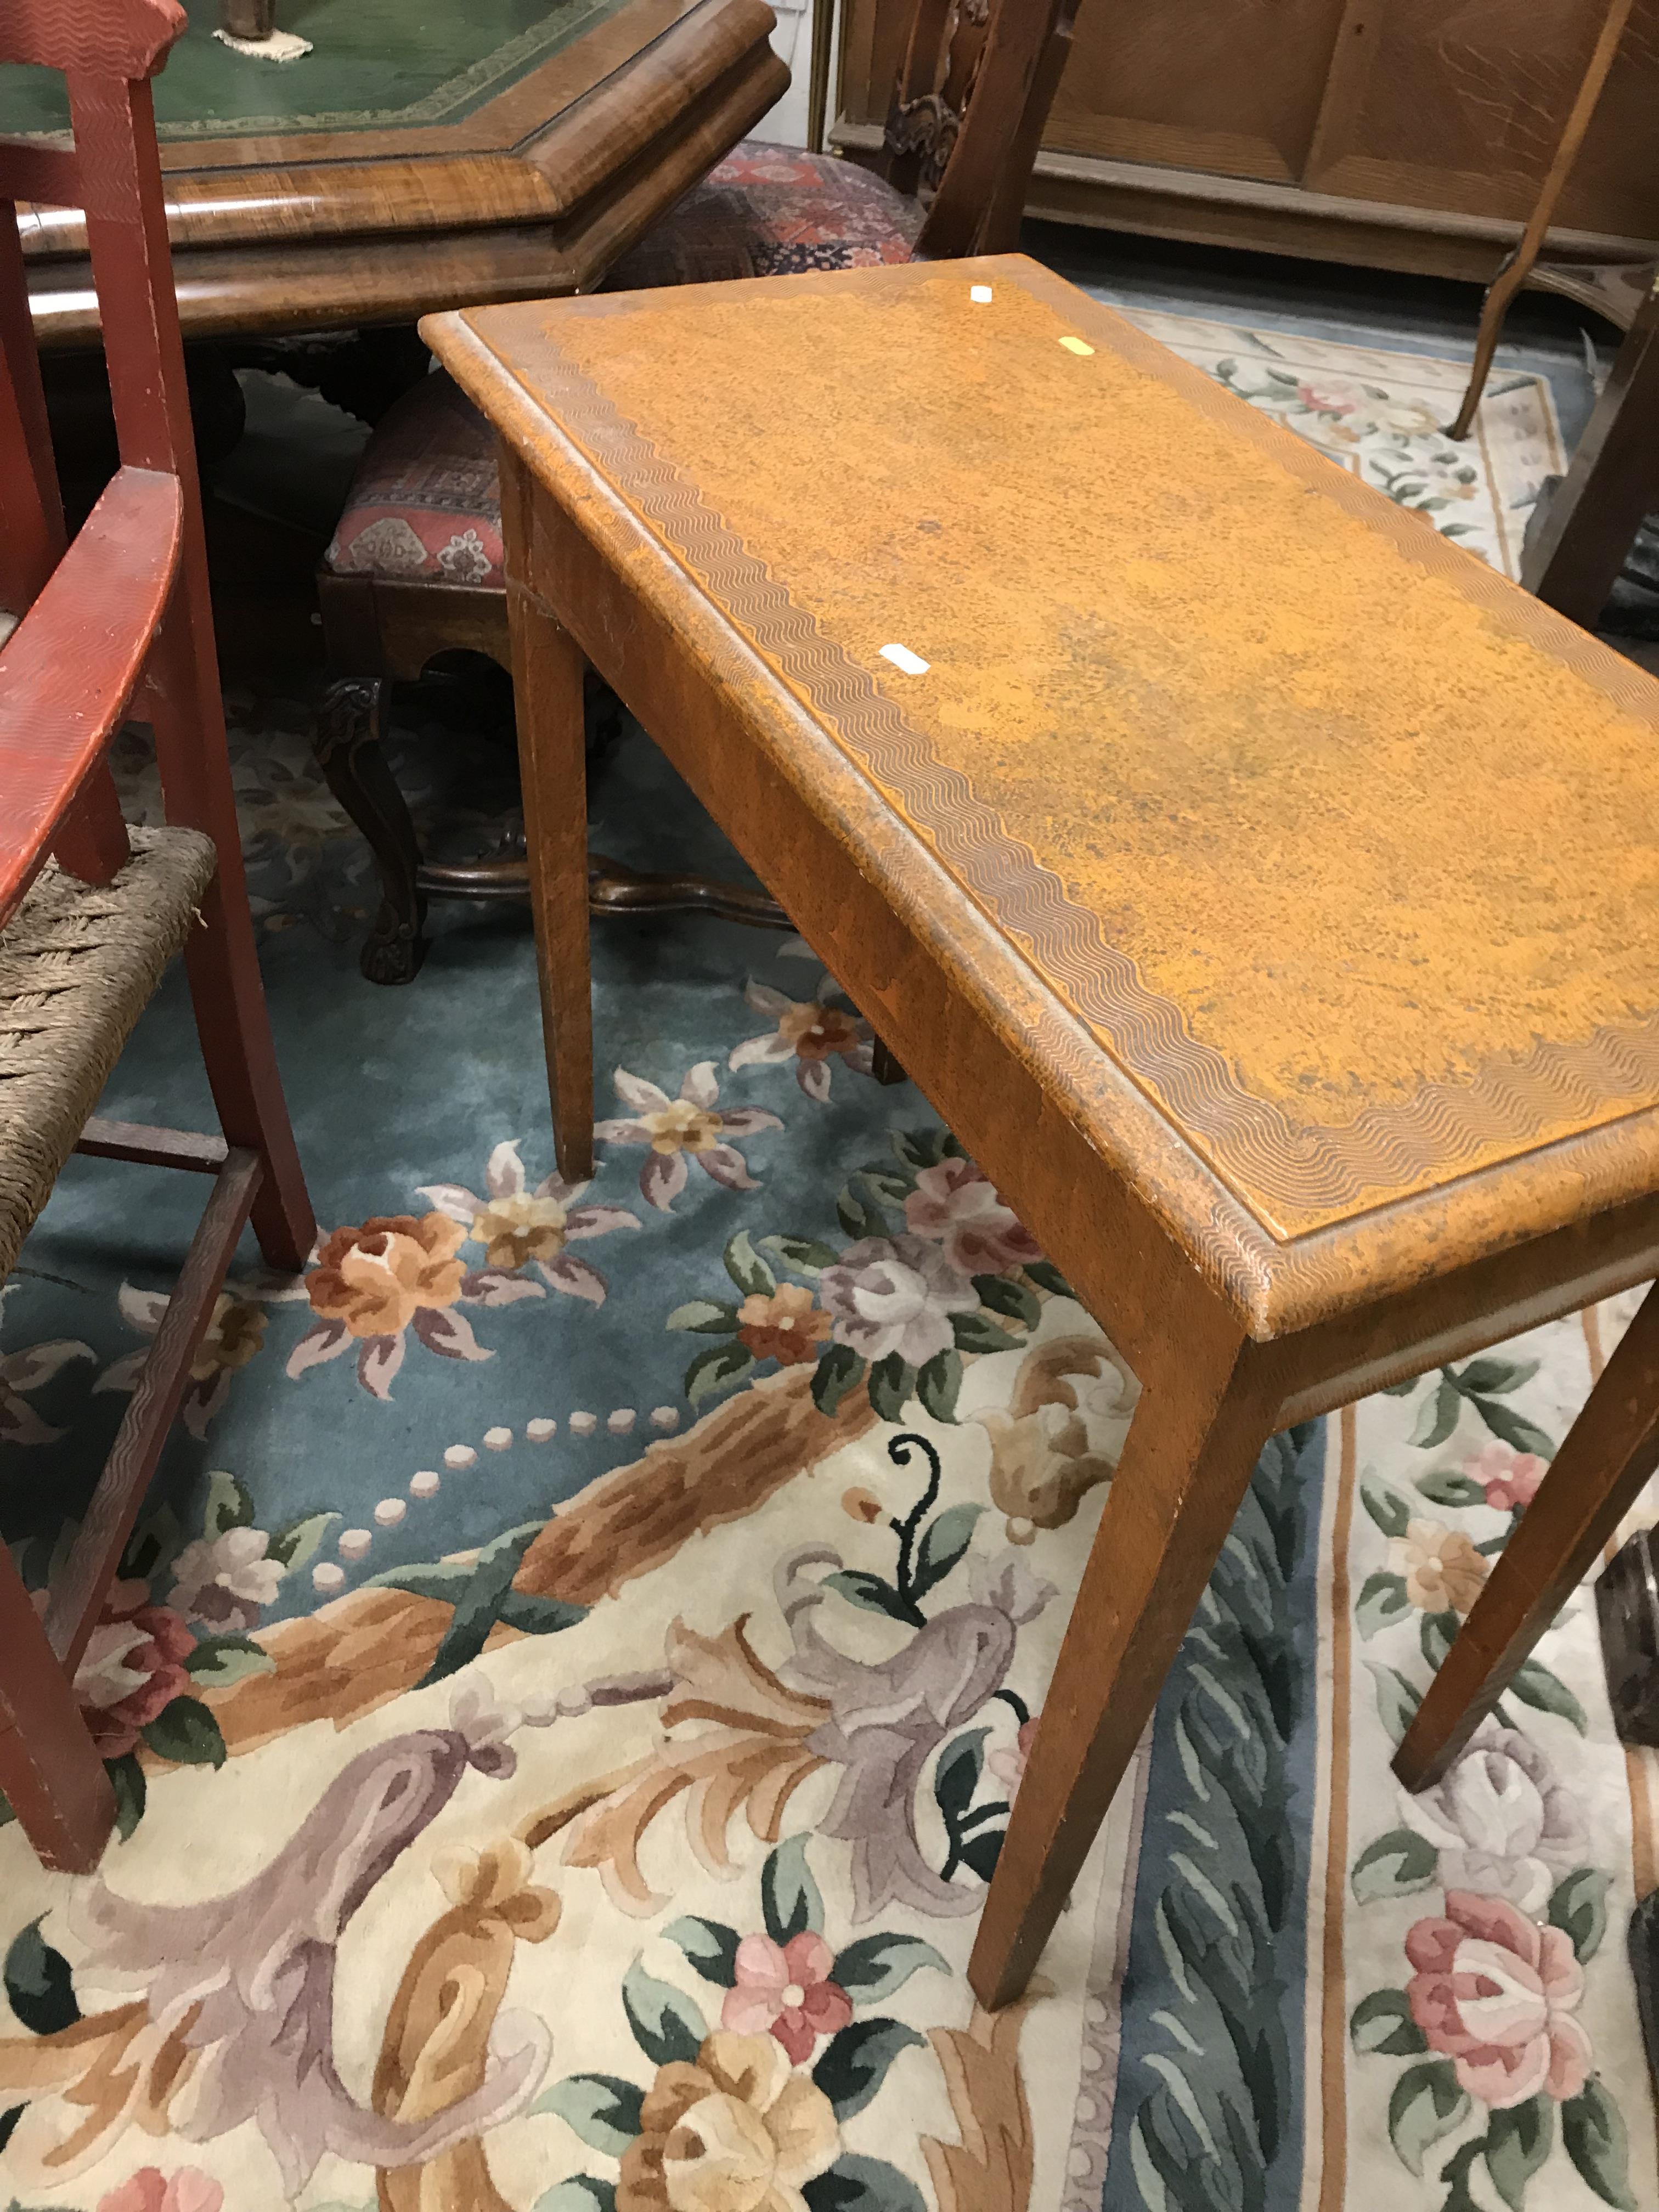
(621, 1421)
(391, 1510)
(583, 1425)
(665, 1416)
(354, 1542)
(540, 1430)
(460, 1455)
(497, 1439)
(426, 1484)
(326, 1576)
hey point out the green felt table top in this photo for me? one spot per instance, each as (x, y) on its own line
(374, 65)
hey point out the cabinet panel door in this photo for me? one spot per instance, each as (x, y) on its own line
(1233, 86)
(1458, 104)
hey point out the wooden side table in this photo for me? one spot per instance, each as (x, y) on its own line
(1263, 888)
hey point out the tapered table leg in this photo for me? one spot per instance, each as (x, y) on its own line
(547, 667)
(1191, 1448)
(1609, 1452)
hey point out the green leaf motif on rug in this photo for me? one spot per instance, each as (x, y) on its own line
(126, 1775)
(705, 1316)
(1385, 1505)
(1047, 1277)
(1593, 2129)
(938, 1385)
(1578, 1907)
(745, 1264)
(186, 1732)
(717, 1369)
(943, 1543)
(39, 1985)
(802, 1256)
(855, 2184)
(1518, 2141)
(1397, 1700)
(839, 1369)
(875, 1965)
(229, 1505)
(1383, 1601)
(1438, 1632)
(581, 2192)
(1394, 1866)
(1446, 1488)
(1382, 2022)
(296, 1545)
(977, 1332)
(667, 2025)
(892, 1382)
(603, 2111)
(790, 1902)
(1535, 1684)
(219, 1661)
(853, 2064)
(1006, 1295)
(956, 1775)
(1426, 2105)
(870, 1592)
(709, 1946)
(481, 1592)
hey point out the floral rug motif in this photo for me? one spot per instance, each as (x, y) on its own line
(566, 1693)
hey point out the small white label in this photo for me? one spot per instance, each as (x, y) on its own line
(980, 293)
(902, 658)
(1076, 345)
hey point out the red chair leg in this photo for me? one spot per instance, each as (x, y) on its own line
(231, 1017)
(49, 1771)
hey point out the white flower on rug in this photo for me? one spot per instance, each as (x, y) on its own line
(691, 1124)
(520, 1228)
(1501, 1822)
(896, 1294)
(225, 1581)
(956, 1203)
(812, 1032)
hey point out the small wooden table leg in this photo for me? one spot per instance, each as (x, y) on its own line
(1188, 1458)
(547, 667)
(1608, 1454)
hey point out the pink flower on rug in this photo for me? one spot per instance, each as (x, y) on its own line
(959, 1208)
(785, 1989)
(149, 2190)
(132, 1669)
(896, 1294)
(1510, 1477)
(1497, 1993)
(674, 1127)
(1326, 398)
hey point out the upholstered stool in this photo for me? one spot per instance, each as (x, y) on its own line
(414, 568)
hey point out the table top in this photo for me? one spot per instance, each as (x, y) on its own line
(415, 158)
(1343, 851)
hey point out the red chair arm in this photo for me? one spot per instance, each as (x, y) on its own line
(69, 670)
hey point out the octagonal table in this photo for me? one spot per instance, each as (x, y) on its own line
(416, 158)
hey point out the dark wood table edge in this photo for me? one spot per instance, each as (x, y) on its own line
(542, 216)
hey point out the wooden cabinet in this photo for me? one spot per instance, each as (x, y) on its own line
(1409, 134)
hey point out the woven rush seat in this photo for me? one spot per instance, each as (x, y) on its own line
(426, 504)
(78, 964)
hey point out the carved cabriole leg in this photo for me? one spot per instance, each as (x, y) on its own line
(350, 725)
(1594, 1479)
(1198, 1430)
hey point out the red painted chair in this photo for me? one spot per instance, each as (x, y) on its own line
(90, 913)
(414, 568)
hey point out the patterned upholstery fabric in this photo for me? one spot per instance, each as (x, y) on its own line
(425, 502)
